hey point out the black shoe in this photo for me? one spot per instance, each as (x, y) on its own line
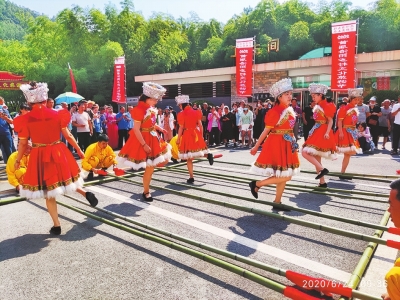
(56, 230)
(147, 199)
(226, 145)
(322, 173)
(92, 199)
(393, 152)
(253, 186)
(90, 176)
(323, 185)
(234, 145)
(174, 160)
(279, 207)
(210, 158)
(190, 180)
(344, 177)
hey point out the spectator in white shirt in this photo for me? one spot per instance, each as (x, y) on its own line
(83, 123)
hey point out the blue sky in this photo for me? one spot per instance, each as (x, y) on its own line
(222, 10)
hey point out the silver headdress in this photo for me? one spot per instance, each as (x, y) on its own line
(318, 88)
(153, 90)
(280, 87)
(35, 94)
(355, 93)
(182, 99)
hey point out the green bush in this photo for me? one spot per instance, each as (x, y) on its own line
(382, 95)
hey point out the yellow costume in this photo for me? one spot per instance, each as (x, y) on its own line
(15, 177)
(393, 281)
(98, 158)
(175, 147)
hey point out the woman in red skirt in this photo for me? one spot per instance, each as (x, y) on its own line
(190, 135)
(52, 169)
(278, 158)
(145, 148)
(346, 135)
(321, 140)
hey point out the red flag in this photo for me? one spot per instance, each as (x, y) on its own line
(244, 67)
(119, 89)
(73, 84)
(344, 40)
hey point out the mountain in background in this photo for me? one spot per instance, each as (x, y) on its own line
(13, 20)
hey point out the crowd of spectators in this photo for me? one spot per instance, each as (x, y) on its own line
(239, 125)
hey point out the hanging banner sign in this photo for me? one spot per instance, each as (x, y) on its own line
(244, 67)
(344, 37)
(11, 84)
(119, 81)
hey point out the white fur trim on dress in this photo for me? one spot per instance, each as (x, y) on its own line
(289, 110)
(72, 187)
(312, 151)
(353, 109)
(318, 108)
(349, 149)
(268, 172)
(149, 162)
(190, 155)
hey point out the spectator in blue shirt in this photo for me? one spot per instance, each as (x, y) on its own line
(103, 119)
(130, 108)
(123, 120)
(5, 134)
(97, 130)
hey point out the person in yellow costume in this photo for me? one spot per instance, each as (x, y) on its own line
(175, 149)
(16, 177)
(393, 276)
(98, 156)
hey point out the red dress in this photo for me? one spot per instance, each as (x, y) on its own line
(132, 153)
(278, 156)
(52, 169)
(316, 144)
(349, 115)
(192, 143)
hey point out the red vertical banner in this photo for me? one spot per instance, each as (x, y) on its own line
(244, 67)
(119, 81)
(344, 37)
(73, 83)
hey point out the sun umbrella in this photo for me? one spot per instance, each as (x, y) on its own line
(69, 98)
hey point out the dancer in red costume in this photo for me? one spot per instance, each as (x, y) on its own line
(190, 135)
(278, 158)
(321, 140)
(52, 169)
(144, 148)
(346, 135)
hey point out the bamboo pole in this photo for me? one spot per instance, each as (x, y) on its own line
(92, 182)
(208, 258)
(350, 175)
(308, 224)
(294, 185)
(302, 210)
(313, 191)
(12, 200)
(365, 259)
(228, 254)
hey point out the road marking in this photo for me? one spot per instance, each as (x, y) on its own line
(266, 249)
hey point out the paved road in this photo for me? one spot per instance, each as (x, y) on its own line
(92, 260)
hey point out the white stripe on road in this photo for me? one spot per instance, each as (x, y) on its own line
(300, 261)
